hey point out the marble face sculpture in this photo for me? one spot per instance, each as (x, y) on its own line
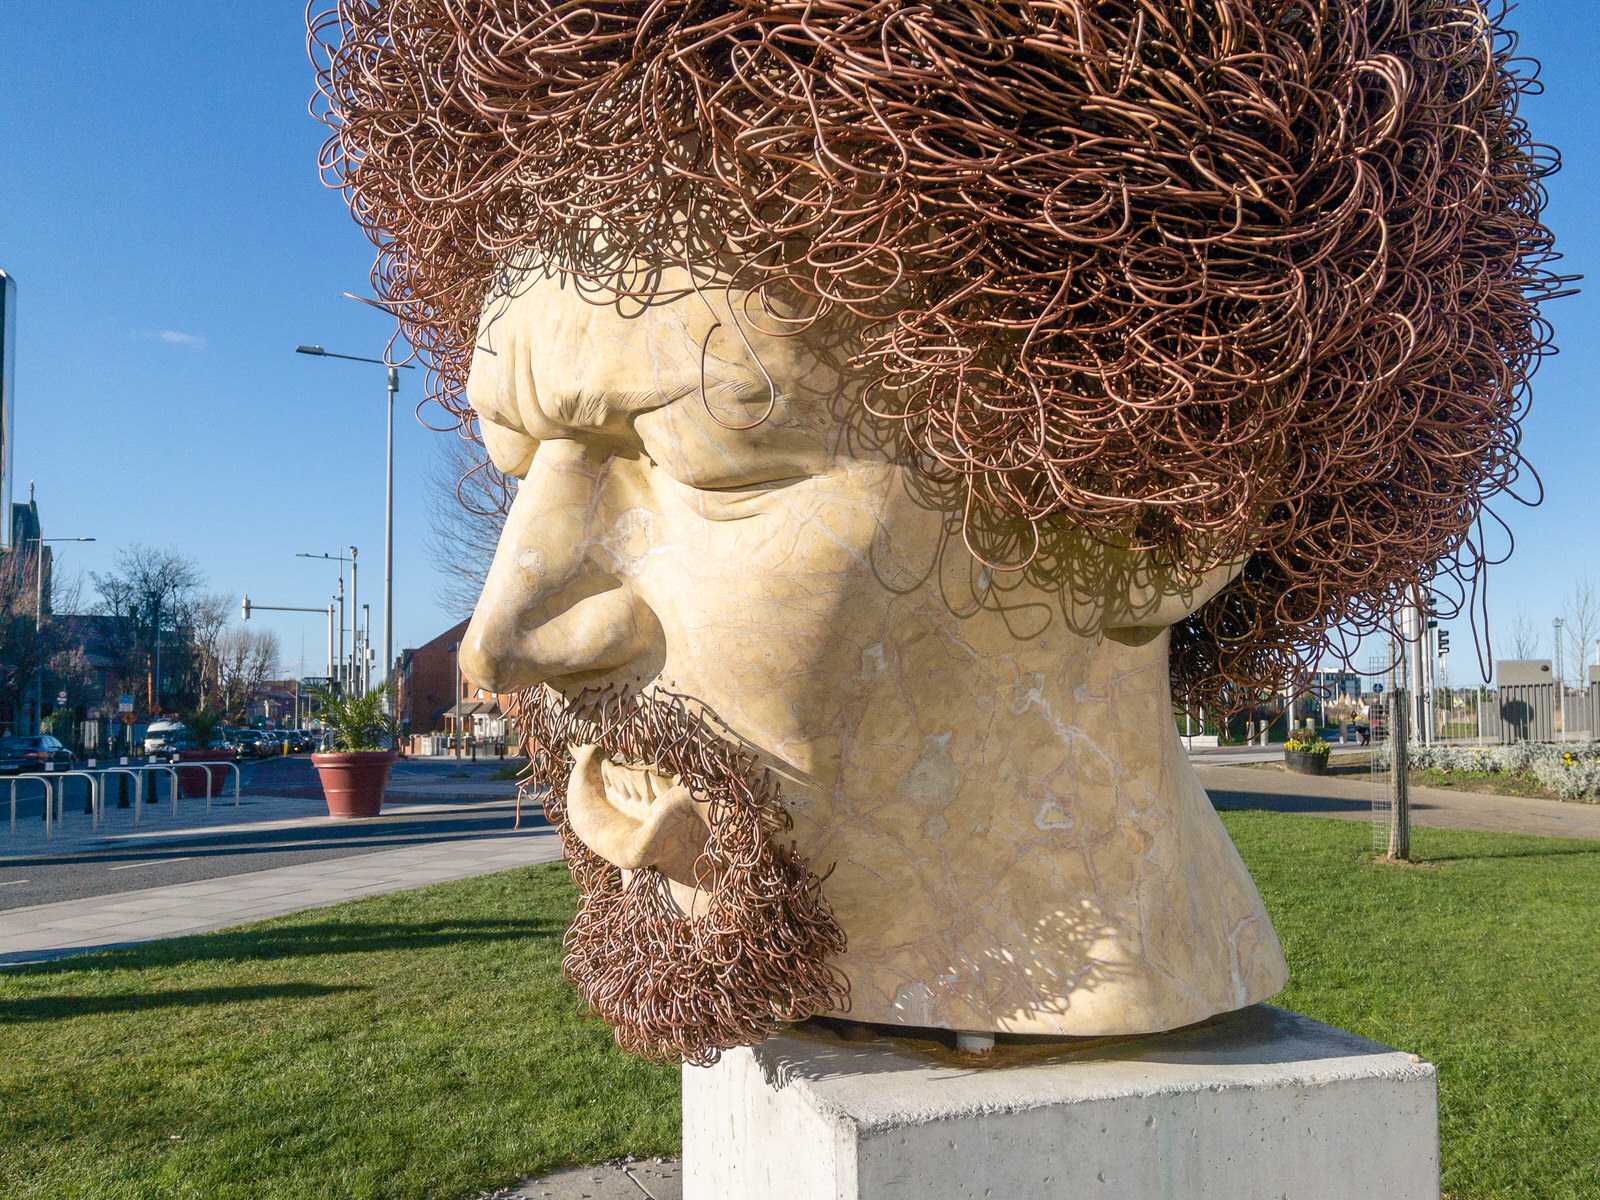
(988, 771)
(907, 399)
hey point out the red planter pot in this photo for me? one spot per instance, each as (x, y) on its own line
(353, 781)
(191, 783)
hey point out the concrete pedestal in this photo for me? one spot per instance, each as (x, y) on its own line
(1256, 1105)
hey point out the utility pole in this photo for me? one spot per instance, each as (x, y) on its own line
(388, 545)
(355, 634)
(338, 676)
(1414, 657)
(1561, 683)
(1442, 648)
(38, 641)
(456, 650)
(155, 631)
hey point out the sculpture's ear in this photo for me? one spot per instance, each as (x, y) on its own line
(1142, 599)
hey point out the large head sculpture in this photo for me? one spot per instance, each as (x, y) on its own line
(899, 395)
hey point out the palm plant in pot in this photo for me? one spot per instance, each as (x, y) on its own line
(204, 726)
(356, 771)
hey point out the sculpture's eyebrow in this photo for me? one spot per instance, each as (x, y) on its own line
(586, 409)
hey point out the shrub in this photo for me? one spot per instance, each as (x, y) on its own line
(1571, 770)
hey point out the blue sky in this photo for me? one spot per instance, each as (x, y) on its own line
(161, 212)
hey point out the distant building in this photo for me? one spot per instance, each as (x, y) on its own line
(1331, 686)
(27, 576)
(278, 702)
(425, 678)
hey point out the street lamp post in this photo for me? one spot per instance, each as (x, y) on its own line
(249, 608)
(355, 627)
(388, 495)
(38, 625)
(339, 599)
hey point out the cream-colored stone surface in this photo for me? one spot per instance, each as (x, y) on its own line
(989, 766)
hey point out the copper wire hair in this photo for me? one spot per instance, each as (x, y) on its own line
(675, 988)
(1199, 276)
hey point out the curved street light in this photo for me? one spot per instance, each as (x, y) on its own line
(388, 500)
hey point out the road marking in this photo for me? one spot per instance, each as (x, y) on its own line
(12, 882)
(154, 862)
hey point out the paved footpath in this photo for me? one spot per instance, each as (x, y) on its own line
(44, 931)
(652, 1179)
(1439, 808)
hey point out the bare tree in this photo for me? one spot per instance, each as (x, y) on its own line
(245, 661)
(148, 595)
(1582, 615)
(22, 593)
(206, 618)
(467, 504)
(1524, 637)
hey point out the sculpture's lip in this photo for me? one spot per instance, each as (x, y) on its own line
(634, 817)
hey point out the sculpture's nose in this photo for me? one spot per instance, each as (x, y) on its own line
(549, 608)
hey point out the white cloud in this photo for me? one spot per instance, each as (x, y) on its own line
(171, 337)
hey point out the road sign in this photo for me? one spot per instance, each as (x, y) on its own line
(124, 704)
(61, 698)
(1377, 689)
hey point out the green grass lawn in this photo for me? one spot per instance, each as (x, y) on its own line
(420, 1044)
(424, 1045)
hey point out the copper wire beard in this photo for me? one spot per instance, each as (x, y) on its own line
(675, 988)
(1201, 276)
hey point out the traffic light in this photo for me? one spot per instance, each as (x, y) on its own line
(1444, 641)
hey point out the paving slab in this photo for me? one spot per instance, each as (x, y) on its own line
(644, 1179)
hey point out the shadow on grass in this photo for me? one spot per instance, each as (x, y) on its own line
(1543, 849)
(1222, 798)
(299, 941)
(50, 1008)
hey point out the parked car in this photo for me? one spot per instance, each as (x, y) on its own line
(18, 754)
(159, 738)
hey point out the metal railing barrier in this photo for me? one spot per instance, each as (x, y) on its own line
(49, 799)
(94, 791)
(138, 785)
(205, 767)
(174, 787)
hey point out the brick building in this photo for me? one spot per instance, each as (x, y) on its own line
(425, 678)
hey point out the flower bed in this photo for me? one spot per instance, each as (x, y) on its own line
(1571, 771)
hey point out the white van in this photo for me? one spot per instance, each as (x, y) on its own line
(162, 735)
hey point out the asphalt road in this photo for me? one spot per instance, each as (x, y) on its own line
(46, 878)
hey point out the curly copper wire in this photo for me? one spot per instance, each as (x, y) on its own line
(673, 987)
(1202, 276)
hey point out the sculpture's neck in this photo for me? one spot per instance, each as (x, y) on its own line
(1018, 843)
